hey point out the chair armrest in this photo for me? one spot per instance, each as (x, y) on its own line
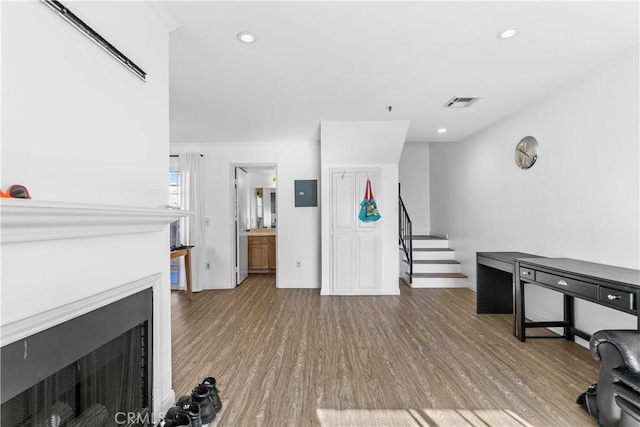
(629, 378)
(614, 349)
(628, 400)
(626, 341)
(630, 410)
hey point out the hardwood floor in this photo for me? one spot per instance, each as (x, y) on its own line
(291, 357)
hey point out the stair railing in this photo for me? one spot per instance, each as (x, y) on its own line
(406, 236)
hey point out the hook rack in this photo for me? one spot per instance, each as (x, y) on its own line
(344, 172)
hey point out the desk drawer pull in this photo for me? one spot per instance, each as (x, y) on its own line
(562, 282)
(617, 298)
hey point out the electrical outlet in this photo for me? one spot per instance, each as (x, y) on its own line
(298, 264)
(207, 266)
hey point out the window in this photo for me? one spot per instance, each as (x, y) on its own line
(174, 228)
(174, 189)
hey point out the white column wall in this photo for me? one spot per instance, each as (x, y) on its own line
(79, 127)
(358, 146)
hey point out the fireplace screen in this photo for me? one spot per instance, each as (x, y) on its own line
(109, 386)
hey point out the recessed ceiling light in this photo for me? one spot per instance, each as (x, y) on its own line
(507, 34)
(441, 130)
(246, 37)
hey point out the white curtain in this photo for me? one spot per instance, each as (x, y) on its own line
(192, 199)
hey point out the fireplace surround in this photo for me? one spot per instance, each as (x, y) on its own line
(62, 261)
(94, 369)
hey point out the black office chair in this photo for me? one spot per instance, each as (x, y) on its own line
(618, 389)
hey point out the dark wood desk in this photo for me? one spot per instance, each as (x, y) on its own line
(494, 281)
(614, 287)
(186, 253)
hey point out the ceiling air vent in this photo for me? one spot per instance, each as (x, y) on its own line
(459, 102)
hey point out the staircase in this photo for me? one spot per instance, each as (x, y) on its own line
(426, 261)
(432, 264)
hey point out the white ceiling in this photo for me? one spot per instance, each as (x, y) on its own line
(316, 61)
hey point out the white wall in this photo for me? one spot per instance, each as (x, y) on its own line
(260, 178)
(298, 230)
(414, 179)
(363, 145)
(580, 200)
(79, 127)
(76, 125)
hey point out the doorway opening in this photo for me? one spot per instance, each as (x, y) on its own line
(255, 220)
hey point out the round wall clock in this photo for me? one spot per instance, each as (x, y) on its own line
(526, 152)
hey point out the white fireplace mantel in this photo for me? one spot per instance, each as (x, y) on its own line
(23, 220)
(61, 291)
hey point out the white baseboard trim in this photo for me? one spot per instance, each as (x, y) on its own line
(355, 294)
(167, 402)
(218, 287)
(298, 286)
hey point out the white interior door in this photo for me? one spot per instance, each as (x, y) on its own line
(355, 245)
(242, 224)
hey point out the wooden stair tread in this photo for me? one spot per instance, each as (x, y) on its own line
(435, 261)
(439, 276)
(431, 249)
(426, 237)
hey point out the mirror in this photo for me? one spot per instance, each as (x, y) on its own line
(263, 207)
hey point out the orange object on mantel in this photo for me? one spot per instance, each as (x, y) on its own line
(16, 191)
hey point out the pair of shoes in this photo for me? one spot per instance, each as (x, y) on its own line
(178, 419)
(184, 407)
(200, 395)
(201, 406)
(206, 395)
(214, 396)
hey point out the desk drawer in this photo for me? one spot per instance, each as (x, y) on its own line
(527, 273)
(617, 298)
(576, 287)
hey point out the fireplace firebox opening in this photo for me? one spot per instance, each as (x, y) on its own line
(93, 370)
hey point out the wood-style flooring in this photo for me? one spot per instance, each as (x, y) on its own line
(291, 357)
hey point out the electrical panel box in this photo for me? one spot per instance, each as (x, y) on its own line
(306, 193)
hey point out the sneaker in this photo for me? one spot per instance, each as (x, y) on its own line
(172, 412)
(184, 406)
(179, 419)
(200, 396)
(192, 409)
(214, 395)
(184, 400)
